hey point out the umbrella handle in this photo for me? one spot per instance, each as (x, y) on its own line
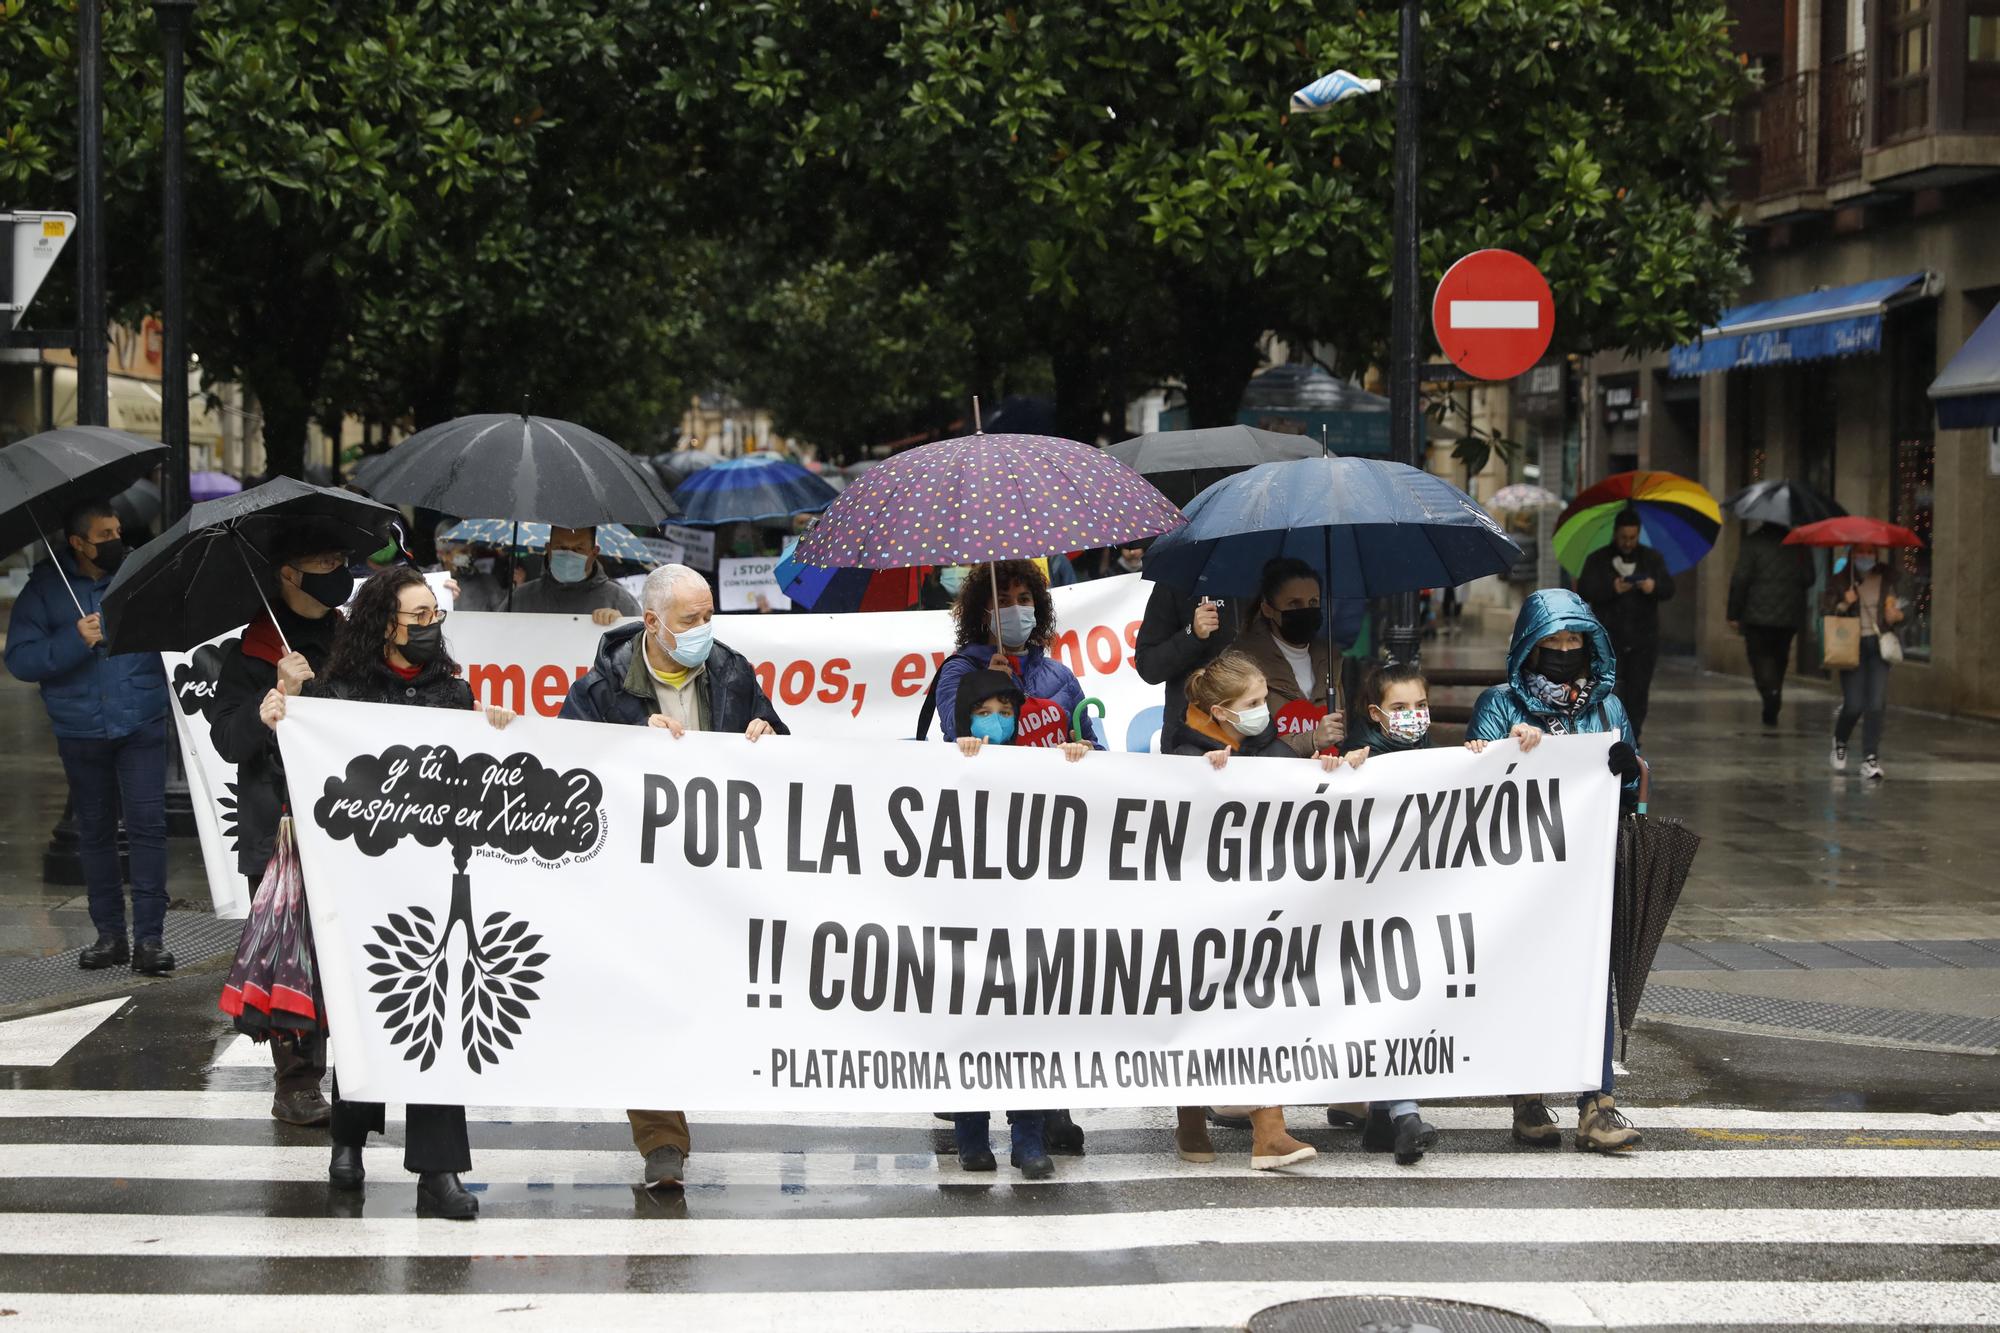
(1083, 709)
(1645, 784)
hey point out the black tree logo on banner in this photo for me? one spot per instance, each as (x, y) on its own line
(515, 807)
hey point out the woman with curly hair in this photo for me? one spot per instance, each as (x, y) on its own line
(1015, 594)
(390, 650)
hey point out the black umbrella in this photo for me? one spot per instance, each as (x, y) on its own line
(139, 507)
(1654, 856)
(1785, 503)
(535, 469)
(45, 476)
(205, 575)
(1182, 464)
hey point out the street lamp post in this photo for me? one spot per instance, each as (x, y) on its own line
(174, 17)
(93, 322)
(1406, 436)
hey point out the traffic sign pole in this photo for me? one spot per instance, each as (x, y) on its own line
(1406, 444)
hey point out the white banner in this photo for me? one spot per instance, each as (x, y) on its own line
(518, 918)
(837, 676)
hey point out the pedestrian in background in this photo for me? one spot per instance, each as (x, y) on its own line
(669, 671)
(575, 582)
(1625, 583)
(1866, 588)
(1767, 604)
(109, 715)
(282, 650)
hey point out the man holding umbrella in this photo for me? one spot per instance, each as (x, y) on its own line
(1625, 583)
(109, 715)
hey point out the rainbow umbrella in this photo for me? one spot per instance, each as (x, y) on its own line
(1677, 518)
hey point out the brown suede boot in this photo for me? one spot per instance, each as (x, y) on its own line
(1191, 1134)
(1271, 1146)
(1534, 1124)
(1600, 1127)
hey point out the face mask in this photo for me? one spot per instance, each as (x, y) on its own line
(1405, 724)
(691, 645)
(1252, 721)
(484, 564)
(111, 553)
(329, 590)
(460, 561)
(1017, 625)
(1864, 565)
(993, 728)
(1297, 627)
(1131, 563)
(1564, 665)
(952, 577)
(568, 566)
(426, 642)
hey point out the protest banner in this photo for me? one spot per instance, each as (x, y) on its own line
(868, 926)
(835, 676)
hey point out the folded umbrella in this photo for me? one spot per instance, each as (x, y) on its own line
(206, 574)
(45, 476)
(613, 539)
(533, 468)
(1852, 530)
(1184, 463)
(1368, 528)
(1785, 503)
(1677, 517)
(1654, 856)
(752, 489)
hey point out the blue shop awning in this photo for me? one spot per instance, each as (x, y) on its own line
(1967, 394)
(1835, 321)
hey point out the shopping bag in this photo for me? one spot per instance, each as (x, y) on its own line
(273, 986)
(1840, 642)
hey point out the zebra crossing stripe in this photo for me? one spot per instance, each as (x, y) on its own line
(1057, 1309)
(575, 1166)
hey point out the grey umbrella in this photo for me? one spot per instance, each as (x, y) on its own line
(535, 469)
(1182, 464)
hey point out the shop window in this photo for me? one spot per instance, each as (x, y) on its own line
(1913, 463)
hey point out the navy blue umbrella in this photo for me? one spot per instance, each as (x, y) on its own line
(751, 489)
(1369, 529)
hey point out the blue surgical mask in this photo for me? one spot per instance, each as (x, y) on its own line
(993, 728)
(1017, 625)
(953, 578)
(691, 645)
(568, 566)
(1864, 565)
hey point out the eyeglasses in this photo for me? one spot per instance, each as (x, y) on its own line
(429, 615)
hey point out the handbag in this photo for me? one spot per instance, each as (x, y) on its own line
(1840, 642)
(1890, 647)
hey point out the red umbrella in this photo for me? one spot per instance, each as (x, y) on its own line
(1852, 530)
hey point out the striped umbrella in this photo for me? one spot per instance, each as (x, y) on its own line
(613, 539)
(1677, 517)
(752, 489)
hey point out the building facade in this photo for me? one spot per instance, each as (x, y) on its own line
(1871, 195)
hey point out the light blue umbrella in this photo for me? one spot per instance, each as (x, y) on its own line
(613, 539)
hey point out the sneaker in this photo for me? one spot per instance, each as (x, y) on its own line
(1600, 1127)
(1534, 1124)
(664, 1167)
(1839, 757)
(1871, 768)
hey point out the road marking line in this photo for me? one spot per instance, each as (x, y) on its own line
(151, 1104)
(1496, 315)
(595, 1166)
(40, 1040)
(1059, 1309)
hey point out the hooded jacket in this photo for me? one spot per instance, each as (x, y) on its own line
(730, 695)
(979, 686)
(90, 694)
(1503, 706)
(1040, 676)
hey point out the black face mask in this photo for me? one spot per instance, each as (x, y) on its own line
(1564, 665)
(426, 643)
(1298, 626)
(110, 554)
(329, 590)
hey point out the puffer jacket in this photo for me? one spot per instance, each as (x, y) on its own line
(90, 694)
(731, 696)
(1040, 677)
(1768, 586)
(1503, 706)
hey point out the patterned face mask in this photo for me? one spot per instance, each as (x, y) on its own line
(1405, 724)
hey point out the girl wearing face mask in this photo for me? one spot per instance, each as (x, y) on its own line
(1287, 639)
(1026, 624)
(1396, 717)
(390, 650)
(1867, 590)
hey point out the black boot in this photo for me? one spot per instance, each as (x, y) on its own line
(440, 1195)
(1228, 1121)
(1062, 1135)
(975, 1149)
(1413, 1137)
(345, 1172)
(109, 951)
(152, 959)
(1378, 1132)
(1031, 1154)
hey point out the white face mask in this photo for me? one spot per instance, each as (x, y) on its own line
(1251, 721)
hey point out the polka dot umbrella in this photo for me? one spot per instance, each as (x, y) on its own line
(982, 498)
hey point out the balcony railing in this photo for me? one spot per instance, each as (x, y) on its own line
(1843, 121)
(1786, 131)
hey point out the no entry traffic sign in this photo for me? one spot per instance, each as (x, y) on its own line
(1493, 314)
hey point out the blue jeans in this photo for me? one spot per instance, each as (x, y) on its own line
(1610, 1036)
(1864, 697)
(105, 777)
